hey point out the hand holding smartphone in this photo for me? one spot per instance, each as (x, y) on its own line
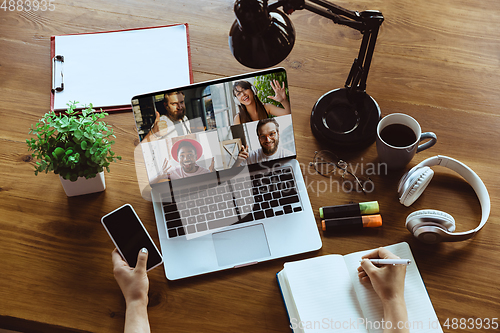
(129, 236)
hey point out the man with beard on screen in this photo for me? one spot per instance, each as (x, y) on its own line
(268, 132)
(175, 122)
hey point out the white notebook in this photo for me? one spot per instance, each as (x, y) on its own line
(325, 294)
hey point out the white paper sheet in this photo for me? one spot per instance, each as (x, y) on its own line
(108, 69)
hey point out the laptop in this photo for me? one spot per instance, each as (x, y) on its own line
(218, 161)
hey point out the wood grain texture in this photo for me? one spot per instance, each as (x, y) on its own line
(436, 61)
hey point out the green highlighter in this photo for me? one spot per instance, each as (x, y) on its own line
(356, 209)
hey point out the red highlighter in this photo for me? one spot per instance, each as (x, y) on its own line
(352, 223)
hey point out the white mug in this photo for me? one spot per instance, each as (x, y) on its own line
(396, 155)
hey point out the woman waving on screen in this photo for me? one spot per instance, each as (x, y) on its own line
(250, 106)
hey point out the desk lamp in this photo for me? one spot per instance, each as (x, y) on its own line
(262, 36)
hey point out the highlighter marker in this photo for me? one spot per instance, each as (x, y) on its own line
(352, 222)
(363, 208)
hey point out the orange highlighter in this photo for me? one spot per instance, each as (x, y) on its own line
(352, 223)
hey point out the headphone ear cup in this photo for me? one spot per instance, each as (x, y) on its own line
(236, 101)
(416, 184)
(254, 90)
(430, 217)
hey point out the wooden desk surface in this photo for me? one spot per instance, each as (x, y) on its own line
(437, 61)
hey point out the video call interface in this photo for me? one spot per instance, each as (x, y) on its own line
(215, 126)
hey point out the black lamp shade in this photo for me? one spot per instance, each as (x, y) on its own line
(258, 38)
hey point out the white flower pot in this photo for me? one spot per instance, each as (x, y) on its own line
(84, 186)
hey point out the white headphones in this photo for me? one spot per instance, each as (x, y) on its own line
(434, 226)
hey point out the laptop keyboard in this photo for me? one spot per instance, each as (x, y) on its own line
(237, 200)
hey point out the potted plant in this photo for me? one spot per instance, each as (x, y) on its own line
(76, 145)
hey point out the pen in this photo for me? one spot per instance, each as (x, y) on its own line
(390, 261)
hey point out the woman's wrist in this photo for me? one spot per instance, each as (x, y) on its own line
(137, 302)
(394, 303)
(136, 317)
(285, 102)
(395, 312)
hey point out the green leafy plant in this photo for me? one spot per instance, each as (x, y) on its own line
(72, 144)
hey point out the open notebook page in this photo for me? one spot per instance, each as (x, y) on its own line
(421, 315)
(324, 296)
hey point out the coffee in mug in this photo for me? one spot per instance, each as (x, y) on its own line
(398, 135)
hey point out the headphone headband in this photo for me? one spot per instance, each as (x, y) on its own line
(471, 177)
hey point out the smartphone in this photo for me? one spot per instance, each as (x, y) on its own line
(129, 236)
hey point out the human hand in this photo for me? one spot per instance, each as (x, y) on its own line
(133, 282)
(279, 91)
(165, 167)
(211, 168)
(243, 154)
(387, 280)
(155, 128)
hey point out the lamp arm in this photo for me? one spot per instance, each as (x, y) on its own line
(356, 80)
(336, 10)
(336, 18)
(367, 22)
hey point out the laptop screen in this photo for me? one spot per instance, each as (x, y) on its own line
(215, 125)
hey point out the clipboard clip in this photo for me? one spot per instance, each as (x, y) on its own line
(57, 58)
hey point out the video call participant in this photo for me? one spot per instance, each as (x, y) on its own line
(388, 282)
(186, 152)
(175, 122)
(268, 132)
(250, 106)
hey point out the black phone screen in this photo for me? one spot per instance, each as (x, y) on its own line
(130, 236)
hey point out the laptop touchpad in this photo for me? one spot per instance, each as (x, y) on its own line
(242, 245)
